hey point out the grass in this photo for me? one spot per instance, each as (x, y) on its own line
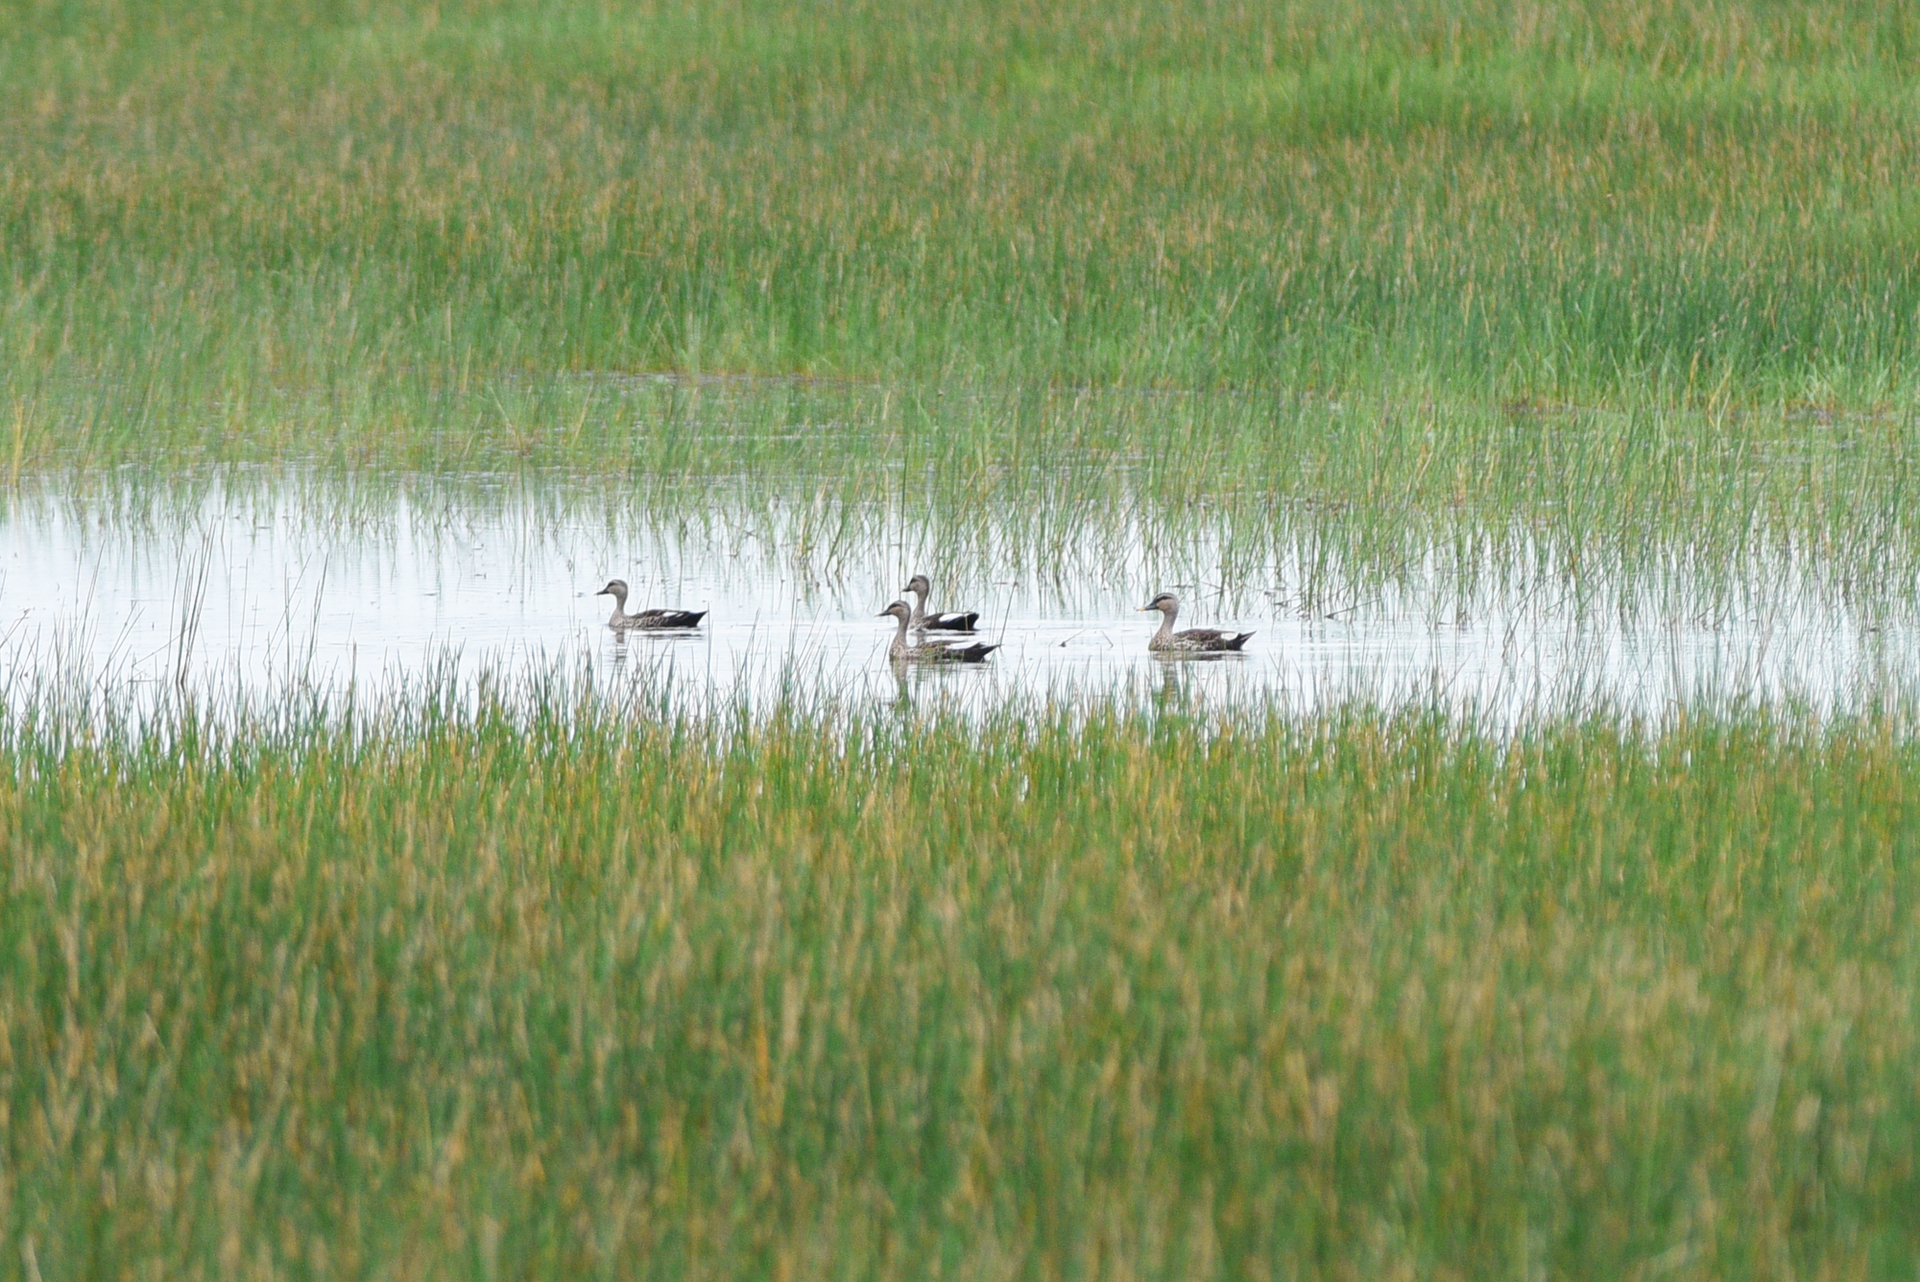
(1606, 297)
(335, 226)
(523, 985)
(1623, 281)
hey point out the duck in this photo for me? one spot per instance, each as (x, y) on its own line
(951, 650)
(953, 621)
(645, 620)
(1189, 640)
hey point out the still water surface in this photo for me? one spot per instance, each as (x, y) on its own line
(266, 588)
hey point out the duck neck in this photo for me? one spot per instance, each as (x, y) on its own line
(899, 645)
(919, 611)
(1166, 621)
(619, 609)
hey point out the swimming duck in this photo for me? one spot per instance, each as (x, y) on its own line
(953, 621)
(1190, 640)
(948, 651)
(645, 620)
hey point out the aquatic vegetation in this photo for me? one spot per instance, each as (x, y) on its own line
(1628, 281)
(1603, 309)
(1605, 286)
(528, 984)
(403, 234)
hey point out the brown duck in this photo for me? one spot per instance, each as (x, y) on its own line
(645, 620)
(950, 650)
(1188, 640)
(952, 621)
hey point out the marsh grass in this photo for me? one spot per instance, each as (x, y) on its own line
(523, 983)
(350, 231)
(1630, 277)
(480, 981)
(1311, 506)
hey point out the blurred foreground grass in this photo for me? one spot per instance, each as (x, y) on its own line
(532, 988)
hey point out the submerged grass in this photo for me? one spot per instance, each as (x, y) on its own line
(1306, 500)
(524, 986)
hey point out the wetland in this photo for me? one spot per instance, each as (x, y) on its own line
(257, 586)
(1538, 894)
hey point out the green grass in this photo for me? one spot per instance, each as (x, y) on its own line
(282, 231)
(1620, 281)
(1666, 515)
(1605, 297)
(539, 986)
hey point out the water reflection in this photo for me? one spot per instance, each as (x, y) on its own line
(261, 589)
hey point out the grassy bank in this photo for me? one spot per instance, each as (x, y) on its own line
(430, 992)
(385, 233)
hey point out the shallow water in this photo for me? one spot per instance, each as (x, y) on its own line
(272, 587)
